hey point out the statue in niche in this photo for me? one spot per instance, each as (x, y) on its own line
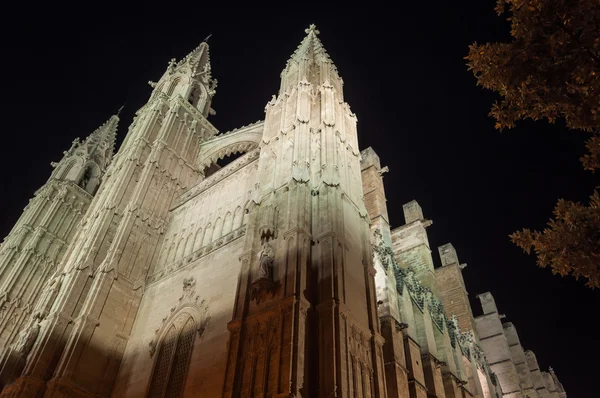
(264, 286)
(266, 257)
(27, 338)
(87, 176)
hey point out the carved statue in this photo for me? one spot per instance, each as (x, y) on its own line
(27, 338)
(265, 261)
(188, 284)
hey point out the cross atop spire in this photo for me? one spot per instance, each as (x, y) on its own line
(312, 29)
(310, 63)
(311, 47)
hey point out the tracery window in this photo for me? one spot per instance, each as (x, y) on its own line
(170, 368)
(172, 87)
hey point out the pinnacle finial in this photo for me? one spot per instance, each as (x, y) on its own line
(312, 29)
(120, 109)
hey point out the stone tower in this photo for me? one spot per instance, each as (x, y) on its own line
(305, 321)
(35, 247)
(82, 338)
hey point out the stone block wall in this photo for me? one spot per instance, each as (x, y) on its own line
(536, 374)
(495, 345)
(452, 289)
(517, 370)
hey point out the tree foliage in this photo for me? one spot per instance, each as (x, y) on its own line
(551, 67)
(570, 243)
(551, 70)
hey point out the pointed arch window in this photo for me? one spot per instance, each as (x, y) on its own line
(67, 170)
(86, 177)
(90, 178)
(170, 368)
(172, 87)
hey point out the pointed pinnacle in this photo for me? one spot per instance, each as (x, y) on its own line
(311, 46)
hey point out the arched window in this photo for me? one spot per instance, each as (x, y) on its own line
(163, 363)
(172, 87)
(170, 368)
(68, 168)
(85, 178)
(90, 178)
(237, 218)
(158, 89)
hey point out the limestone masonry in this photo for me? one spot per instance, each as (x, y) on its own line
(156, 272)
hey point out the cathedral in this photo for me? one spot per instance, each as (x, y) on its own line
(153, 271)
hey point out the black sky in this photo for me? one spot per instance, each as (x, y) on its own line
(67, 69)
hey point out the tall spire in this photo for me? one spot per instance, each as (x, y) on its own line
(86, 161)
(198, 60)
(101, 142)
(310, 63)
(190, 78)
(311, 47)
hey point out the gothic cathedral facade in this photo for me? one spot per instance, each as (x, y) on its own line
(155, 272)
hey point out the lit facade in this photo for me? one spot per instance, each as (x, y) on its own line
(156, 272)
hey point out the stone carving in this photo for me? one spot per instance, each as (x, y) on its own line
(264, 286)
(436, 309)
(452, 325)
(27, 338)
(383, 252)
(412, 282)
(152, 346)
(266, 257)
(188, 287)
(192, 304)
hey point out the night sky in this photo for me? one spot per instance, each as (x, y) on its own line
(66, 70)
